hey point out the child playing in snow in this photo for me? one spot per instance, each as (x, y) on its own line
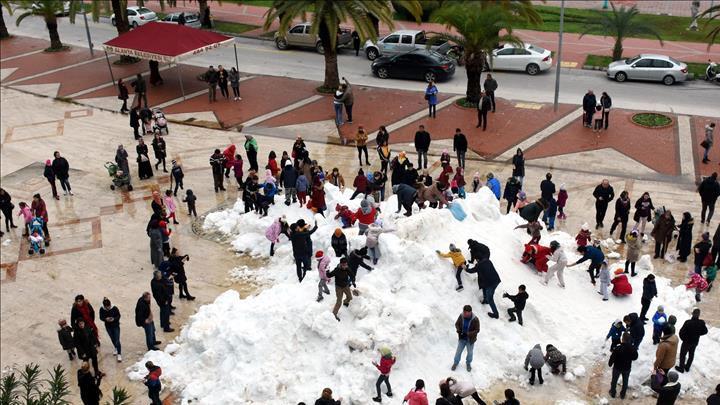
(462, 389)
(445, 158)
(555, 359)
(584, 236)
(273, 232)
(344, 215)
(659, 320)
(459, 179)
(386, 362)
(604, 277)
(323, 263)
(521, 201)
(27, 215)
(519, 301)
(615, 334)
(621, 285)
(458, 261)
(696, 282)
(509, 398)
(632, 251)
(536, 360)
(65, 337)
(417, 396)
(533, 229)
(190, 200)
(561, 201)
(372, 237)
(476, 183)
(301, 187)
(170, 205)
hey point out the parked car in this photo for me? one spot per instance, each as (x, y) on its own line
(528, 58)
(402, 41)
(416, 64)
(65, 11)
(651, 67)
(191, 19)
(137, 16)
(299, 35)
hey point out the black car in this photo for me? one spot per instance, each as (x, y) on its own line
(419, 64)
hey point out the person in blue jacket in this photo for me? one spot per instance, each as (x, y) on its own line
(431, 96)
(596, 257)
(615, 333)
(659, 321)
(494, 185)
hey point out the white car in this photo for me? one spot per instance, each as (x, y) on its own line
(529, 58)
(137, 16)
(191, 19)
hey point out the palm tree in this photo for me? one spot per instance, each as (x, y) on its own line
(415, 7)
(713, 12)
(326, 19)
(478, 28)
(3, 28)
(619, 24)
(49, 10)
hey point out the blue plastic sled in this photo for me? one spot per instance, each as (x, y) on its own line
(457, 211)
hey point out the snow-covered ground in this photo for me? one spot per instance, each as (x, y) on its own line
(282, 347)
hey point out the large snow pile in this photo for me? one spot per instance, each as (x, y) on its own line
(282, 347)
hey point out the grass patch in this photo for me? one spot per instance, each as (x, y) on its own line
(233, 28)
(61, 49)
(697, 69)
(126, 60)
(325, 90)
(463, 102)
(652, 120)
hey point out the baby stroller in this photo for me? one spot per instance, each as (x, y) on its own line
(37, 237)
(160, 122)
(119, 178)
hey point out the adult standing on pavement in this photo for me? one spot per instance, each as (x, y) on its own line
(123, 95)
(86, 343)
(135, 121)
(217, 163)
(144, 167)
(422, 145)
(690, 334)
(223, 81)
(338, 108)
(234, 78)
(160, 151)
(518, 163)
(431, 92)
(622, 215)
(347, 99)
(110, 315)
(140, 91)
(39, 209)
(606, 103)
(707, 143)
(589, 103)
(490, 86)
(709, 190)
(604, 193)
(121, 159)
(460, 145)
(49, 174)
(211, 77)
(89, 385)
(61, 167)
(251, 150)
(643, 212)
(144, 319)
(361, 139)
(6, 206)
(467, 327)
(82, 309)
(156, 240)
(356, 42)
(162, 299)
(621, 362)
(662, 232)
(484, 105)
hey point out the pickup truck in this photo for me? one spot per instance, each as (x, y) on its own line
(299, 35)
(402, 42)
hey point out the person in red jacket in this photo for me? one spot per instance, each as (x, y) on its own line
(417, 396)
(360, 183)
(621, 285)
(272, 164)
(386, 362)
(39, 209)
(317, 196)
(365, 215)
(538, 255)
(229, 154)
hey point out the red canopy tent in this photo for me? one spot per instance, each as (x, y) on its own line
(167, 43)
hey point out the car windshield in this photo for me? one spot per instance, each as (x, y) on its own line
(143, 10)
(632, 60)
(536, 49)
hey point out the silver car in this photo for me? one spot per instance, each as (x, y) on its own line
(649, 67)
(300, 35)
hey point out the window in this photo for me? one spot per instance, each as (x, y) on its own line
(298, 29)
(143, 10)
(659, 63)
(392, 39)
(521, 51)
(675, 61)
(506, 51)
(131, 12)
(420, 38)
(632, 60)
(536, 48)
(406, 39)
(643, 63)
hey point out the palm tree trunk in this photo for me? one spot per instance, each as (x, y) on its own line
(375, 23)
(51, 24)
(332, 79)
(617, 49)
(473, 67)
(121, 21)
(203, 5)
(3, 29)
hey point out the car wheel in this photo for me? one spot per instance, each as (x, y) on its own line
(668, 80)
(134, 24)
(430, 76)
(620, 77)
(112, 21)
(532, 69)
(281, 44)
(320, 48)
(371, 53)
(383, 73)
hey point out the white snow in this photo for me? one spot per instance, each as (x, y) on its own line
(282, 347)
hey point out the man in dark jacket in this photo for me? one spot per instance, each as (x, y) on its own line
(532, 211)
(636, 328)
(422, 145)
(110, 315)
(589, 103)
(519, 300)
(61, 167)
(649, 292)
(603, 194)
(690, 334)
(488, 280)
(490, 85)
(162, 298)
(709, 190)
(212, 77)
(301, 246)
(621, 362)
(343, 280)
(406, 197)
(217, 163)
(144, 319)
(668, 393)
(460, 146)
(339, 243)
(86, 344)
(484, 105)
(467, 327)
(50, 176)
(288, 179)
(478, 251)
(356, 259)
(596, 258)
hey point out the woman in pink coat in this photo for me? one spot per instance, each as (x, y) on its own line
(417, 396)
(277, 228)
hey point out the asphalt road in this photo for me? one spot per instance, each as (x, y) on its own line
(261, 57)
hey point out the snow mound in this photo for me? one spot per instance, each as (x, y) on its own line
(281, 346)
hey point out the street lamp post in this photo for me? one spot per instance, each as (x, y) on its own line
(87, 29)
(559, 56)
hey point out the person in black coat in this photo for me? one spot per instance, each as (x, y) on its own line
(338, 241)
(406, 197)
(636, 327)
(110, 315)
(49, 174)
(460, 145)
(144, 319)
(89, 385)
(356, 259)
(478, 251)
(65, 336)
(488, 280)
(177, 268)
(61, 167)
(422, 145)
(649, 292)
(622, 215)
(532, 211)
(162, 299)
(512, 187)
(621, 362)
(135, 122)
(684, 241)
(484, 106)
(690, 334)
(123, 95)
(603, 194)
(589, 103)
(709, 190)
(217, 163)
(288, 179)
(302, 247)
(518, 163)
(519, 300)
(326, 398)
(668, 393)
(86, 344)
(701, 250)
(714, 399)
